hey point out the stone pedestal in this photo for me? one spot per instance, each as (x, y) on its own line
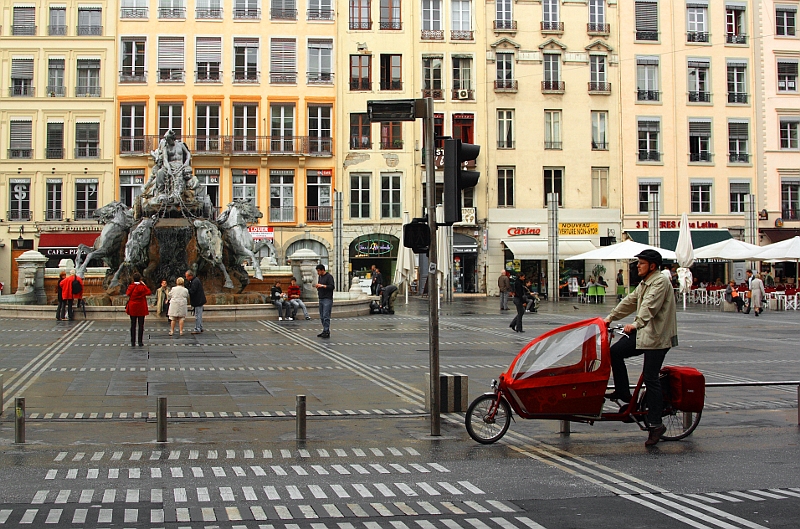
(304, 264)
(30, 285)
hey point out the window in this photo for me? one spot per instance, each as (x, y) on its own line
(597, 17)
(552, 72)
(504, 16)
(131, 133)
(283, 10)
(697, 21)
(244, 184)
(599, 187)
(319, 129)
(390, 14)
(281, 195)
(553, 180)
(787, 75)
(462, 75)
(133, 9)
(598, 80)
(58, 21)
(738, 139)
(700, 201)
(320, 61)
(282, 127)
(646, 13)
(739, 192)
(90, 21)
(464, 129)
(647, 79)
(552, 129)
(207, 127)
(20, 139)
(87, 140)
(208, 9)
(646, 190)
(505, 129)
(785, 20)
(737, 83)
(170, 60)
(432, 77)
(550, 20)
(359, 14)
(55, 78)
(432, 19)
(245, 127)
(88, 78)
(283, 61)
(170, 117)
(19, 199)
(391, 72)
(248, 9)
(789, 133)
(505, 187)
(320, 10)
(390, 196)
(85, 198)
(790, 199)
(53, 203)
(209, 179)
(461, 25)
(735, 23)
(55, 141)
(318, 196)
(698, 81)
(22, 77)
(360, 131)
(133, 60)
(208, 58)
(360, 68)
(171, 9)
(391, 135)
(699, 140)
(245, 60)
(504, 64)
(24, 22)
(648, 140)
(131, 182)
(359, 195)
(600, 130)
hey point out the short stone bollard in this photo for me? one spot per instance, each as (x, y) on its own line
(727, 306)
(19, 420)
(300, 417)
(161, 420)
(454, 390)
(2, 409)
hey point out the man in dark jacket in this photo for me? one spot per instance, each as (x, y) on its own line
(325, 287)
(519, 303)
(197, 298)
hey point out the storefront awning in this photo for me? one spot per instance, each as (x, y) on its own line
(669, 238)
(780, 234)
(67, 240)
(537, 250)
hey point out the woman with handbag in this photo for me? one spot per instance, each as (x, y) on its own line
(136, 307)
(178, 306)
(757, 294)
(732, 295)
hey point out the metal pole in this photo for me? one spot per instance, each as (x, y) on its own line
(433, 288)
(19, 420)
(2, 407)
(553, 275)
(337, 240)
(654, 238)
(161, 420)
(564, 428)
(300, 417)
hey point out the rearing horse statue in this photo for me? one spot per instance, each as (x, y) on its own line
(118, 219)
(137, 247)
(233, 224)
(209, 245)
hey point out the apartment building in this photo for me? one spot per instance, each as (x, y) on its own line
(56, 120)
(249, 87)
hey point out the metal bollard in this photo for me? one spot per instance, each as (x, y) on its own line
(300, 417)
(687, 419)
(563, 428)
(19, 420)
(1, 396)
(798, 405)
(161, 417)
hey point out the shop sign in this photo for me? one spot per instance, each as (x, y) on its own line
(373, 247)
(675, 224)
(325, 172)
(578, 228)
(260, 233)
(516, 231)
(68, 227)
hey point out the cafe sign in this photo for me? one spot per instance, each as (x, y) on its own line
(374, 247)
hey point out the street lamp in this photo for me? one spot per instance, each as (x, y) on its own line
(20, 240)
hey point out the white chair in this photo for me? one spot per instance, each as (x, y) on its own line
(791, 302)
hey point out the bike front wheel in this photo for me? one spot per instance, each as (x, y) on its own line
(488, 418)
(680, 424)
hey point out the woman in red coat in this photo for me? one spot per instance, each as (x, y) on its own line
(137, 307)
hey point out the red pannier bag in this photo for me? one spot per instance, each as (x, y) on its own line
(687, 388)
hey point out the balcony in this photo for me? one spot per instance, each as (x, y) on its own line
(53, 153)
(283, 14)
(738, 157)
(790, 214)
(599, 146)
(83, 214)
(219, 145)
(208, 13)
(699, 97)
(56, 30)
(552, 27)
(364, 142)
(391, 144)
(462, 94)
(432, 34)
(23, 31)
(278, 214)
(246, 77)
(702, 156)
(133, 12)
(204, 144)
(599, 88)
(649, 156)
(283, 78)
(171, 75)
(88, 91)
(319, 14)
(87, 151)
(506, 85)
(171, 12)
(132, 77)
(732, 38)
(391, 85)
(506, 144)
(648, 95)
(319, 78)
(502, 26)
(436, 93)
(20, 154)
(357, 85)
(319, 214)
(206, 77)
(360, 24)
(737, 97)
(56, 91)
(552, 145)
(391, 24)
(593, 28)
(553, 87)
(697, 36)
(18, 214)
(90, 31)
(320, 146)
(244, 144)
(53, 214)
(647, 35)
(462, 34)
(135, 145)
(22, 91)
(250, 13)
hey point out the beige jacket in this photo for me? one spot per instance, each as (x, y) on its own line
(654, 304)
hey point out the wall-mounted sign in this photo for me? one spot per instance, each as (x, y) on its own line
(516, 231)
(675, 224)
(260, 233)
(578, 228)
(374, 247)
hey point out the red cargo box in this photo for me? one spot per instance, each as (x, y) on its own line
(687, 388)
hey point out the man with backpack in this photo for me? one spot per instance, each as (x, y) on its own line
(71, 290)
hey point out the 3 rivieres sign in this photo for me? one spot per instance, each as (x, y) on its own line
(564, 228)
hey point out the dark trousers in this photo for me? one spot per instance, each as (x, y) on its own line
(653, 359)
(134, 321)
(516, 323)
(325, 308)
(61, 309)
(70, 310)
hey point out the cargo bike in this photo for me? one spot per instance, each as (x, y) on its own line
(563, 375)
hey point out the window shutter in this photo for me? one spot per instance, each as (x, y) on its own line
(55, 135)
(209, 49)
(88, 64)
(700, 128)
(735, 7)
(740, 188)
(21, 134)
(649, 125)
(283, 56)
(698, 63)
(324, 44)
(646, 16)
(647, 61)
(737, 63)
(55, 64)
(87, 132)
(25, 16)
(738, 130)
(698, 3)
(786, 8)
(245, 43)
(787, 68)
(170, 53)
(22, 68)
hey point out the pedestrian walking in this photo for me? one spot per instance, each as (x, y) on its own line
(178, 299)
(197, 297)
(59, 295)
(620, 285)
(653, 331)
(71, 290)
(377, 281)
(325, 287)
(504, 284)
(136, 307)
(293, 293)
(757, 294)
(519, 303)
(279, 300)
(162, 299)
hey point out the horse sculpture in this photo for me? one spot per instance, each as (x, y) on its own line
(137, 248)
(118, 220)
(209, 245)
(233, 225)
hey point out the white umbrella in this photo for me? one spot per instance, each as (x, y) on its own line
(405, 263)
(619, 252)
(442, 249)
(788, 250)
(684, 254)
(729, 250)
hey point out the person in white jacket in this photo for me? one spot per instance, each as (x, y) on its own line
(178, 306)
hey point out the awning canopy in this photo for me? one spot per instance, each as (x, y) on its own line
(537, 250)
(669, 238)
(780, 234)
(464, 244)
(67, 240)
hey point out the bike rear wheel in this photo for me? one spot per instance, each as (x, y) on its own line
(680, 424)
(485, 423)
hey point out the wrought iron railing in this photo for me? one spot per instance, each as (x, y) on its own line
(602, 87)
(699, 97)
(214, 76)
(646, 35)
(732, 38)
(283, 77)
(505, 84)
(594, 28)
(391, 85)
(23, 31)
(319, 77)
(462, 34)
(83, 214)
(391, 24)
(435, 93)
(737, 97)
(283, 14)
(18, 153)
(93, 31)
(697, 36)
(56, 30)
(432, 34)
(249, 13)
(133, 12)
(215, 145)
(205, 13)
(87, 151)
(360, 84)
(319, 14)
(171, 12)
(319, 214)
(702, 156)
(278, 214)
(360, 24)
(504, 25)
(553, 86)
(53, 214)
(22, 91)
(649, 156)
(54, 153)
(738, 157)
(18, 214)
(648, 95)
(132, 76)
(552, 26)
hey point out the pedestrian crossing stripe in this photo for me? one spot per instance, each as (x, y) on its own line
(194, 454)
(738, 496)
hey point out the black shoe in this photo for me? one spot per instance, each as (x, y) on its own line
(615, 396)
(141, 345)
(520, 331)
(655, 435)
(511, 326)
(326, 335)
(321, 335)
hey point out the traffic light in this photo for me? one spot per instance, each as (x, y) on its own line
(456, 178)
(417, 236)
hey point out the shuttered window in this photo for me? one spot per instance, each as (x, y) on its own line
(738, 129)
(245, 57)
(646, 20)
(170, 53)
(646, 125)
(55, 140)
(787, 68)
(90, 20)
(24, 21)
(21, 134)
(209, 50)
(22, 68)
(283, 56)
(701, 128)
(742, 187)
